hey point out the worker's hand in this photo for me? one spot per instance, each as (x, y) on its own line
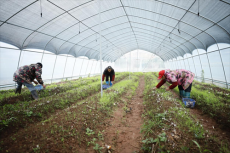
(167, 89)
(44, 86)
(154, 88)
(35, 82)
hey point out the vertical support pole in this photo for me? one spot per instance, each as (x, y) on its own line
(18, 64)
(87, 68)
(81, 67)
(53, 69)
(120, 64)
(176, 64)
(126, 64)
(65, 66)
(129, 64)
(179, 63)
(73, 68)
(137, 62)
(200, 60)
(194, 65)
(100, 47)
(184, 63)
(95, 67)
(209, 66)
(188, 65)
(223, 67)
(91, 68)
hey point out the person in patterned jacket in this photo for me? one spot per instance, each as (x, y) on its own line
(182, 78)
(25, 75)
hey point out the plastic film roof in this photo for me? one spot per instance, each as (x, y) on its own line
(167, 28)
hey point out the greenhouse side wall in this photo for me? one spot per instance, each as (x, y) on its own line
(55, 67)
(211, 66)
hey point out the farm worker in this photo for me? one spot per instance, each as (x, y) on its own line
(25, 75)
(109, 72)
(182, 78)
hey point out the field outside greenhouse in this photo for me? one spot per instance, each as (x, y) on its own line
(71, 116)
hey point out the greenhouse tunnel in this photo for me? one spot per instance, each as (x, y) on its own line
(79, 39)
(68, 37)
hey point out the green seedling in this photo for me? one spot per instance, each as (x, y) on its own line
(205, 150)
(89, 132)
(97, 148)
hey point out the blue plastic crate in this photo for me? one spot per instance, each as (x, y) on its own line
(188, 102)
(105, 86)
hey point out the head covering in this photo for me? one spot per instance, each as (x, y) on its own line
(109, 67)
(40, 64)
(161, 74)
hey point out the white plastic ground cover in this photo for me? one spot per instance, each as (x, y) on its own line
(167, 28)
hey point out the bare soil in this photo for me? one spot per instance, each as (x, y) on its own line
(123, 134)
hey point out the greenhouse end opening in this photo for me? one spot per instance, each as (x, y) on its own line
(115, 76)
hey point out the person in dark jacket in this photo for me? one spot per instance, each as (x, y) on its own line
(25, 75)
(109, 73)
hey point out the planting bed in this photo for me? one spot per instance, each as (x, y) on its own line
(213, 101)
(130, 117)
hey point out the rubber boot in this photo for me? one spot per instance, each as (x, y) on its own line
(34, 94)
(187, 95)
(182, 93)
(18, 89)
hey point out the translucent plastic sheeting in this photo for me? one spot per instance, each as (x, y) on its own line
(84, 67)
(216, 66)
(48, 66)
(139, 61)
(192, 66)
(7, 65)
(197, 65)
(77, 67)
(28, 58)
(206, 66)
(97, 68)
(225, 54)
(168, 29)
(69, 67)
(89, 67)
(58, 70)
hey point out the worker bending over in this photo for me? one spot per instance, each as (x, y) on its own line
(182, 78)
(25, 75)
(109, 72)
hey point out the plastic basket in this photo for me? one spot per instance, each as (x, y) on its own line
(188, 102)
(105, 86)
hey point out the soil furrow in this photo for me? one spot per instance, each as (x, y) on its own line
(124, 133)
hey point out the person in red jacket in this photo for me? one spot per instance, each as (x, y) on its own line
(109, 73)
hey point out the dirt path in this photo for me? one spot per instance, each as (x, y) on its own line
(123, 134)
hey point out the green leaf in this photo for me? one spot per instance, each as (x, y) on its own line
(197, 145)
(206, 150)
